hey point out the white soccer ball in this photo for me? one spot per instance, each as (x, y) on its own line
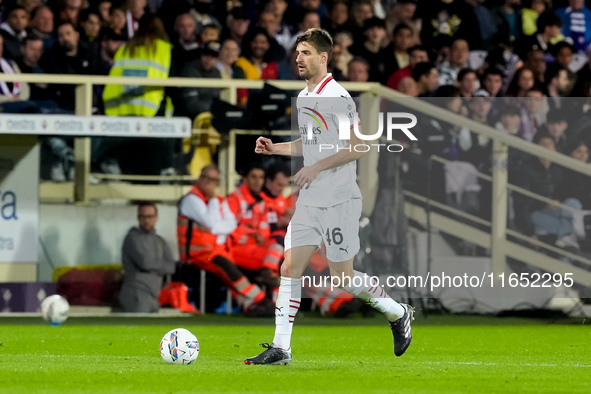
(179, 346)
(55, 309)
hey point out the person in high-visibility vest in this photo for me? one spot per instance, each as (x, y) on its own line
(148, 55)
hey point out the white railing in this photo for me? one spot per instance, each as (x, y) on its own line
(496, 240)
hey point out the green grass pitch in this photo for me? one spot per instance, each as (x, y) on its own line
(448, 354)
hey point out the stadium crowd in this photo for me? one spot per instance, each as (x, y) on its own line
(520, 66)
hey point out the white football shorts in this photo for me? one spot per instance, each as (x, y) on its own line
(336, 227)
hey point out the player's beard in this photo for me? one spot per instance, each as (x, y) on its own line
(306, 73)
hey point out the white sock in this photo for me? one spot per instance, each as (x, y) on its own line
(288, 302)
(374, 295)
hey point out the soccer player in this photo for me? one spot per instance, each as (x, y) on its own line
(329, 205)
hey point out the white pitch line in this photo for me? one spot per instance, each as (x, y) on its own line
(538, 365)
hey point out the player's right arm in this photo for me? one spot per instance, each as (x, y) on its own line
(266, 147)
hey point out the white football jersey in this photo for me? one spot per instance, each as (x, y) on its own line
(317, 110)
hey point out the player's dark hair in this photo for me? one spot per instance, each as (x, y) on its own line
(320, 39)
(143, 204)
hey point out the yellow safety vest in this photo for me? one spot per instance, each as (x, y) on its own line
(134, 100)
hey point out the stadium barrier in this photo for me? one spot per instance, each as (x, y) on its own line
(496, 241)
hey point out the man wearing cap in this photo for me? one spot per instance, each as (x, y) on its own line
(193, 101)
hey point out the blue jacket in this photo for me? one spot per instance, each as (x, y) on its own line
(564, 14)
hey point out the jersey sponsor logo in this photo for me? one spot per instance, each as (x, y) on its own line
(317, 117)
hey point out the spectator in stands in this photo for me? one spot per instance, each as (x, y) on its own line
(380, 59)
(32, 51)
(229, 53)
(310, 20)
(109, 42)
(314, 6)
(502, 58)
(135, 9)
(256, 57)
(149, 45)
(556, 83)
(563, 53)
(577, 184)
(576, 20)
(68, 56)
(186, 48)
(445, 140)
(193, 101)
(237, 24)
(544, 178)
(147, 260)
(522, 82)
(443, 19)
(555, 127)
(12, 94)
(358, 70)
(268, 22)
(210, 33)
(458, 56)
(479, 107)
(510, 119)
(284, 32)
(90, 22)
(345, 41)
(104, 8)
(487, 24)
(333, 62)
(426, 76)
(361, 11)
(549, 26)
(338, 17)
(69, 11)
(41, 24)
(408, 86)
(402, 42)
(29, 5)
(203, 226)
(13, 30)
(416, 55)
(532, 114)
(536, 62)
(288, 68)
(467, 82)
(532, 9)
(492, 81)
(404, 13)
(252, 247)
(117, 20)
(509, 20)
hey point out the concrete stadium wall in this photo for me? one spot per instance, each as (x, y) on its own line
(72, 235)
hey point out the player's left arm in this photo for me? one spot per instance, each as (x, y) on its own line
(307, 175)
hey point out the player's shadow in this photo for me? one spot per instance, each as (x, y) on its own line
(92, 249)
(50, 255)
